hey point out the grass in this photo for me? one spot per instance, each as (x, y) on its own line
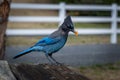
(119, 38)
(72, 40)
(102, 72)
(92, 25)
(32, 25)
(33, 12)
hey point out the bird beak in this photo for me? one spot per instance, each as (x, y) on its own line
(75, 32)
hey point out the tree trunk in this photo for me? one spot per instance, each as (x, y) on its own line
(4, 12)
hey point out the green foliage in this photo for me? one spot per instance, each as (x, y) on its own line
(89, 13)
(67, 1)
(88, 1)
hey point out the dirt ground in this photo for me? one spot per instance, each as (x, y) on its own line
(102, 72)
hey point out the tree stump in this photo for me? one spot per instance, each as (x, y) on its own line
(38, 72)
(4, 12)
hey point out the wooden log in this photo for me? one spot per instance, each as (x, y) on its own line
(38, 72)
(45, 72)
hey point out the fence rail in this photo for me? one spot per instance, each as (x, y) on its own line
(62, 8)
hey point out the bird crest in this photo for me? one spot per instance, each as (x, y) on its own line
(67, 23)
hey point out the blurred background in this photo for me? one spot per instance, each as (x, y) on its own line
(96, 50)
(89, 17)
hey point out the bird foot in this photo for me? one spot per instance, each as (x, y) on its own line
(59, 64)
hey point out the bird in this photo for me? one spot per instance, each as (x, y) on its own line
(53, 42)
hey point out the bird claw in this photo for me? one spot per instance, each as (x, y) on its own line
(59, 64)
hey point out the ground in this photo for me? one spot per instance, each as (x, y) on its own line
(102, 72)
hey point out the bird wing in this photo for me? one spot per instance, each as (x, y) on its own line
(47, 41)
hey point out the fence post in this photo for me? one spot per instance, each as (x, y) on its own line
(62, 12)
(114, 24)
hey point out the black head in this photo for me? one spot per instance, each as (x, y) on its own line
(67, 25)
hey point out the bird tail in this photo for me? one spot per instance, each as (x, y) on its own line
(23, 53)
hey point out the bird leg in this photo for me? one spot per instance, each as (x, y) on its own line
(55, 60)
(47, 56)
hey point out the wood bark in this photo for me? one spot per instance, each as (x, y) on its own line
(4, 12)
(38, 72)
(45, 72)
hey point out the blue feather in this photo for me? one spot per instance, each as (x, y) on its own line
(35, 48)
(47, 41)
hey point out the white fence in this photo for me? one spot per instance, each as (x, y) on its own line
(62, 7)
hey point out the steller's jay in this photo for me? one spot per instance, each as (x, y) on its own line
(54, 42)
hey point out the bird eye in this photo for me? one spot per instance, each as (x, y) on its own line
(70, 27)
